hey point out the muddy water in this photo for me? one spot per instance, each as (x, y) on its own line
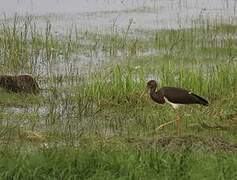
(102, 14)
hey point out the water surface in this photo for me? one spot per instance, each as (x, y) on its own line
(103, 14)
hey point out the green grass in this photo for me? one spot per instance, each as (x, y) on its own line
(100, 126)
(117, 161)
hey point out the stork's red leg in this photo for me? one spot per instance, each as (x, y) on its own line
(164, 124)
(178, 125)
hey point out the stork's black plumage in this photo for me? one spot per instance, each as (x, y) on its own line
(175, 97)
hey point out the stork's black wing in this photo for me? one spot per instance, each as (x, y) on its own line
(182, 96)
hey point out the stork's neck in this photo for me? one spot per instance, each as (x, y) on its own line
(152, 90)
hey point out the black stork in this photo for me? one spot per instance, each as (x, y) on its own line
(175, 97)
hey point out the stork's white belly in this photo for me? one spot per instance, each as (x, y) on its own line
(175, 106)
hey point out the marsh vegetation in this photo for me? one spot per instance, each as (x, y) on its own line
(90, 120)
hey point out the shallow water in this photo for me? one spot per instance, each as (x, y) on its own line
(102, 15)
(105, 15)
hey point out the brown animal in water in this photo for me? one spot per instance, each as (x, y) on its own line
(21, 83)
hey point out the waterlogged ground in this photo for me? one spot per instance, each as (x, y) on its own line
(92, 60)
(110, 17)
